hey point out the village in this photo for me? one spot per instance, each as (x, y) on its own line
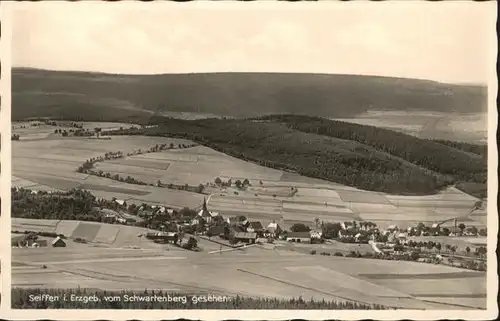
(186, 227)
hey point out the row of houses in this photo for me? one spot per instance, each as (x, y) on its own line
(33, 241)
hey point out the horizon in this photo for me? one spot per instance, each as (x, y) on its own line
(249, 72)
(443, 42)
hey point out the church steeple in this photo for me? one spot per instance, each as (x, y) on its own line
(205, 204)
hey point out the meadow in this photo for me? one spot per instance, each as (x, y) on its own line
(253, 272)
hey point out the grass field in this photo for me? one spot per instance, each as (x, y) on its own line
(28, 132)
(254, 272)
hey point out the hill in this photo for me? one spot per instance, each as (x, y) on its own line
(97, 96)
(399, 164)
(444, 157)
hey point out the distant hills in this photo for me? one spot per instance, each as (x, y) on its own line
(98, 96)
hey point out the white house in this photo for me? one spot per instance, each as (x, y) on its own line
(316, 234)
(273, 229)
(346, 225)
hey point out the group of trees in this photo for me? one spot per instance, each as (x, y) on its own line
(16, 136)
(421, 228)
(72, 205)
(74, 132)
(410, 256)
(426, 246)
(20, 298)
(238, 183)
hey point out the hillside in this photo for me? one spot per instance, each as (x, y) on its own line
(96, 96)
(440, 156)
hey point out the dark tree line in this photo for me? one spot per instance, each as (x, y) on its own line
(481, 150)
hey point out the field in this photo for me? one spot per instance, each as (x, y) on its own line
(28, 132)
(50, 164)
(259, 271)
(433, 125)
(102, 235)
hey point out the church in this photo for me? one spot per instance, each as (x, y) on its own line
(207, 216)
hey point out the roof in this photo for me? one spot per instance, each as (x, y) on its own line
(245, 235)
(216, 230)
(204, 213)
(238, 228)
(57, 239)
(298, 235)
(232, 220)
(272, 227)
(256, 225)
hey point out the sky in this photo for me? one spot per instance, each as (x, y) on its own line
(448, 42)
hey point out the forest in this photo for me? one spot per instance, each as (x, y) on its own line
(21, 300)
(444, 157)
(361, 156)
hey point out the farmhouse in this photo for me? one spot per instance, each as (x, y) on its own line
(255, 227)
(216, 231)
(316, 234)
(361, 237)
(298, 237)
(58, 242)
(351, 232)
(454, 231)
(40, 243)
(347, 225)
(245, 237)
(273, 230)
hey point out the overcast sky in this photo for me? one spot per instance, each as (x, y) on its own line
(446, 42)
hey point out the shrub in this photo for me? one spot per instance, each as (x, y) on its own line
(338, 254)
(313, 252)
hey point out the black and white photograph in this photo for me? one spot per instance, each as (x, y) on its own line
(246, 156)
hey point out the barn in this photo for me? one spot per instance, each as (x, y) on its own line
(58, 242)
